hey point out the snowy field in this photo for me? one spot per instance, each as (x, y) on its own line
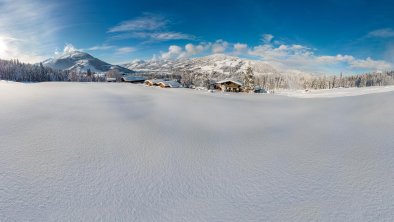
(123, 152)
(337, 92)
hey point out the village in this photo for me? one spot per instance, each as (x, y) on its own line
(225, 85)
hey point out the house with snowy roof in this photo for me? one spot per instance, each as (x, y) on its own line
(229, 85)
(163, 83)
(133, 79)
(169, 84)
(153, 82)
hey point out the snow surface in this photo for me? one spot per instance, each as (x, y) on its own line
(125, 152)
(337, 92)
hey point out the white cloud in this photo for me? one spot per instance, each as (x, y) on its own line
(335, 59)
(382, 33)
(240, 48)
(125, 50)
(370, 64)
(285, 57)
(69, 48)
(196, 49)
(26, 30)
(177, 52)
(189, 50)
(267, 51)
(302, 58)
(219, 46)
(174, 52)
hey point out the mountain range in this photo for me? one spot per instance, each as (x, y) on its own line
(217, 64)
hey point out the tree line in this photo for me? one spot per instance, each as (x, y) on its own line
(14, 70)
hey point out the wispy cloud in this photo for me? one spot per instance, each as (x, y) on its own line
(125, 50)
(28, 29)
(170, 36)
(146, 22)
(100, 47)
(149, 27)
(154, 36)
(382, 33)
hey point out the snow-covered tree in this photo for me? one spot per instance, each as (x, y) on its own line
(249, 79)
(114, 73)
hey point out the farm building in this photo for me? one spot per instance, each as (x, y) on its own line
(229, 85)
(153, 82)
(133, 79)
(169, 84)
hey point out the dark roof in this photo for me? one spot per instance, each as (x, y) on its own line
(133, 78)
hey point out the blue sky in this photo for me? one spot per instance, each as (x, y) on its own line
(329, 36)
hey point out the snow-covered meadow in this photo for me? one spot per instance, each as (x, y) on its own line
(337, 92)
(123, 152)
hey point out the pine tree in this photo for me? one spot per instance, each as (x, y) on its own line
(89, 73)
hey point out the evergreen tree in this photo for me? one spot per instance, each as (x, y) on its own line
(89, 73)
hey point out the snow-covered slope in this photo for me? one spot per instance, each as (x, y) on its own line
(81, 61)
(214, 63)
(123, 152)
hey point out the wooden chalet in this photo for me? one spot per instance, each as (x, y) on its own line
(229, 85)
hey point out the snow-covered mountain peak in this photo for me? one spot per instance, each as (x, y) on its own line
(75, 55)
(81, 62)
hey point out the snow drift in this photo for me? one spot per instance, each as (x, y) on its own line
(122, 152)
